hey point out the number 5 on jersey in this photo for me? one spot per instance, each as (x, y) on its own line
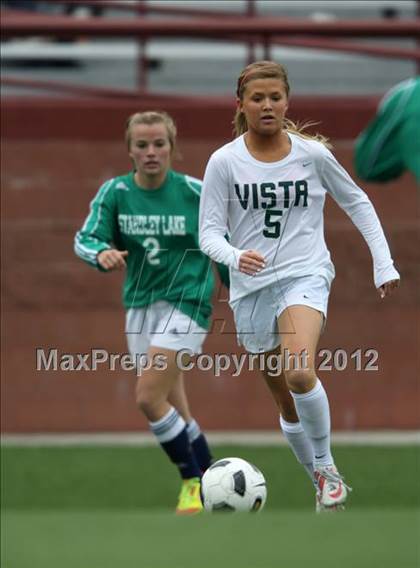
(272, 223)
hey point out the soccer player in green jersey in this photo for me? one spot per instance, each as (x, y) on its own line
(390, 144)
(146, 223)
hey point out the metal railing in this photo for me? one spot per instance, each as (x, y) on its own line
(205, 24)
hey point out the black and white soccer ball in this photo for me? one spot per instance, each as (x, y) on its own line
(233, 484)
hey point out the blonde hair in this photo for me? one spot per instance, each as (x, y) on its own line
(270, 70)
(152, 117)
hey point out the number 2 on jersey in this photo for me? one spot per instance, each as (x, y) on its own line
(153, 248)
(273, 226)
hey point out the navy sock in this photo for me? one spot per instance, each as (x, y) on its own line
(199, 445)
(171, 432)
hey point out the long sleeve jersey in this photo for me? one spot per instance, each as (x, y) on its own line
(276, 209)
(159, 229)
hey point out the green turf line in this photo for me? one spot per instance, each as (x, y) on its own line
(270, 539)
(129, 478)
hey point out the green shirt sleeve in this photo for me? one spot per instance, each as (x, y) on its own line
(98, 230)
(390, 144)
(410, 146)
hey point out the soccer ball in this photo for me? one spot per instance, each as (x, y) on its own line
(233, 484)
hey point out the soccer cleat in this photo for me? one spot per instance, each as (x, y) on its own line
(331, 489)
(189, 501)
(319, 508)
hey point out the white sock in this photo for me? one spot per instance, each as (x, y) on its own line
(193, 430)
(300, 444)
(168, 427)
(313, 411)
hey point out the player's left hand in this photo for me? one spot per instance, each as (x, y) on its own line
(388, 288)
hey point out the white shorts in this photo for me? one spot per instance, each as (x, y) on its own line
(256, 314)
(162, 325)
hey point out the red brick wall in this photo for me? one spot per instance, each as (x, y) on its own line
(52, 165)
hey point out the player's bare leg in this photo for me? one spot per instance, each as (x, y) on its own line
(152, 393)
(155, 384)
(304, 325)
(178, 398)
(279, 389)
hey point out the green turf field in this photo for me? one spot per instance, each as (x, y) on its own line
(92, 507)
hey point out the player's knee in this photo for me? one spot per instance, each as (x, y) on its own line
(300, 380)
(147, 401)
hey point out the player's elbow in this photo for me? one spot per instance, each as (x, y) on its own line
(76, 245)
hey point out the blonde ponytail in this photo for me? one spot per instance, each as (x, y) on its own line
(299, 128)
(240, 125)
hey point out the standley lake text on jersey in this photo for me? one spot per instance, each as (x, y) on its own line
(266, 195)
(152, 224)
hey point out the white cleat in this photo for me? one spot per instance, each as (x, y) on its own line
(332, 491)
(319, 508)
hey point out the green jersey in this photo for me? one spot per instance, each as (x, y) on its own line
(391, 143)
(159, 229)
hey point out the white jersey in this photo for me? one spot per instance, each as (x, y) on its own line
(276, 208)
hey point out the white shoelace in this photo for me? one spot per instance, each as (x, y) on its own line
(333, 476)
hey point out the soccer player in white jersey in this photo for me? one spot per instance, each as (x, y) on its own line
(266, 189)
(146, 222)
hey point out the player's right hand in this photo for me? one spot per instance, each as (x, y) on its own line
(112, 259)
(251, 262)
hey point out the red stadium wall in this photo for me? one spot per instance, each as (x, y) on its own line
(55, 155)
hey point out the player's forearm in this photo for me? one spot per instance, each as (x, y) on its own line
(87, 248)
(366, 220)
(218, 249)
(357, 205)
